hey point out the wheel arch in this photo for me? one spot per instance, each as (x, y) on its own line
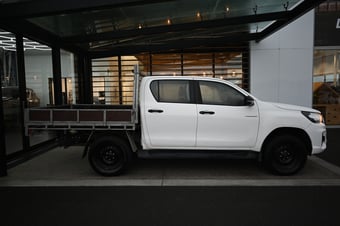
(300, 133)
(95, 135)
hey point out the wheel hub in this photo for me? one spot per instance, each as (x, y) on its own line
(109, 155)
(285, 155)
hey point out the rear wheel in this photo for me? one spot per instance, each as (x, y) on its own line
(109, 156)
(285, 155)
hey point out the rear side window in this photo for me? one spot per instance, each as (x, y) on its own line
(215, 93)
(172, 91)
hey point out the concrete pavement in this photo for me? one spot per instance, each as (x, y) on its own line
(65, 167)
(59, 188)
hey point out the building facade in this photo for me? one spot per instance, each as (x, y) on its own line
(297, 64)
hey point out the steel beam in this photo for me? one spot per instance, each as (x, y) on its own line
(177, 45)
(298, 11)
(37, 8)
(150, 31)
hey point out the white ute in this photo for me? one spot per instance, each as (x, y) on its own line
(199, 117)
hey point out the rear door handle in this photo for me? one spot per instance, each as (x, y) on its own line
(207, 112)
(155, 111)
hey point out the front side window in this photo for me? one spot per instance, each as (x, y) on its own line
(171, 91)
(214, 93)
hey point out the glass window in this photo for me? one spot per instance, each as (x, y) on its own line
(166, 64)
(39, 82)
(220, 94)
(326, 84)
(224, 65)
(171, 91)
(105, 81)
(113, 80)
(10, 92)
(69, 78)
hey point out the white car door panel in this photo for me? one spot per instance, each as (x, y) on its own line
(170, 117)
(175, 126)
(225, 119)
(226, 127)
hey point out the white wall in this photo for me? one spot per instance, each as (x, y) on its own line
(281, 66)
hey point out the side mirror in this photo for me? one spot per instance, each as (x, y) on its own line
(249, 101)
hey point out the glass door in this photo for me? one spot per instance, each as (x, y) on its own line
(10, 93)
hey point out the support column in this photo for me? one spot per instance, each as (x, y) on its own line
(56, 64)
(22, 87)
(120, 85)
(182, 66)
(3, 161)
(213, 65)
(80, 72)
(245, 70)
(87, 80)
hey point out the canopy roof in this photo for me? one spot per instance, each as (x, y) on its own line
(106, 27)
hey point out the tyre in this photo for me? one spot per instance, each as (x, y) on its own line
(109, 156)
(285, 155)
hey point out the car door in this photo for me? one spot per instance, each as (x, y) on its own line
(170, 115)
(225, 120)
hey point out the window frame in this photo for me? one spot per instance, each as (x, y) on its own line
(192, 96)
(200, 99)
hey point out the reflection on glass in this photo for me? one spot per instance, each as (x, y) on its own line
(38, 68)
(326, 85)
(10, 93)
(69, 78)
(156, 13)
(113, 80)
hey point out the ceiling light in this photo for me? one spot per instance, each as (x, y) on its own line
(8, 42)
(169, 21)
(198, 15)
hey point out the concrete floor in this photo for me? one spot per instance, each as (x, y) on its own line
(65, 167)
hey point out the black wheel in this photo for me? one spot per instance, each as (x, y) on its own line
(109, 156)
(285, 155)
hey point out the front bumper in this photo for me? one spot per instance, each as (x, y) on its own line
(318, 136)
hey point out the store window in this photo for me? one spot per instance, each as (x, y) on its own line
(112, 77)
(113, 80)
(69, 81)
(10, 93)
(39, 77)
(326, 84)
(224, 65)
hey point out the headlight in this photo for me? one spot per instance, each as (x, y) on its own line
(313, 117)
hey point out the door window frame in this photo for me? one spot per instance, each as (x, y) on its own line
(199, 94)
(195, 92)
(192, 96)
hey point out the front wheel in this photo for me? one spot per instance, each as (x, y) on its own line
(109, 156)
(285, 155)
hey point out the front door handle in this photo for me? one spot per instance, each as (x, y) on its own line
(155, 111)
(207, 112)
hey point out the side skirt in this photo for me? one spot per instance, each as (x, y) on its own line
(196, 154)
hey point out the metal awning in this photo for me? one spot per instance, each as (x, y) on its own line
(104, 27)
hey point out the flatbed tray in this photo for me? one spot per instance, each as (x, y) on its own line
(81, 117)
